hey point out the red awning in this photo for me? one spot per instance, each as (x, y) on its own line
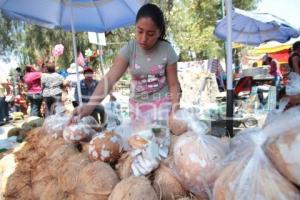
(281, 56)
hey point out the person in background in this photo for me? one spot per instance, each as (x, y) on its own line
(52, 87)
(113, 110)
(152, 63)
(71, 80)
(255, 64)
(87, 87)
(274, 70)
(32, 79)
(39, 64)
(214, 66)
(4, 112)
(294, 58)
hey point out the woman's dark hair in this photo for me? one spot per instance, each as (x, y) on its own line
(155, 13)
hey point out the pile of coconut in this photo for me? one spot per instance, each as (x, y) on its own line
(145, 160)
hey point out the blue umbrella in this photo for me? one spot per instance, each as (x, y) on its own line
(88, 15)
(74, 15)
(255, 28)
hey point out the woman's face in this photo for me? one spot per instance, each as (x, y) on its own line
(146, 33)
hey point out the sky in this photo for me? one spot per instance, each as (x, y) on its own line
(286, 9)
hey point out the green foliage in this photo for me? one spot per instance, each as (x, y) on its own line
(192, 22)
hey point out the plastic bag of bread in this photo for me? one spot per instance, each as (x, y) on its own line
(150, 143)
(81, 131)
(284, 153)
(198, 158)
(283, 145)
(249, 173)
(106, 146)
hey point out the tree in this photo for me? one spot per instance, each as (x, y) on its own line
(8, 36)
(192, 22)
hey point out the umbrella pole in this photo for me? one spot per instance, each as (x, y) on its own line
(230, 97)
(75, 55)
(100, 54)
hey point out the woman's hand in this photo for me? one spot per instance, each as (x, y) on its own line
(81, 111)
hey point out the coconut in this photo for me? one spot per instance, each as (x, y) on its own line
(123, 168)
(177, 126)
(253, 179)
(78, 132)
(58, 158)
(35, 136)
(40, 178)
(69, 172)
(14, 179)
(49, 144)
(198, 160)
(133, 188)
(106, 147)
(52, 191)
(96, 179)
(284, 153)
(166, 185)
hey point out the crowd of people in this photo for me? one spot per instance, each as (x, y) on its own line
(39, 88)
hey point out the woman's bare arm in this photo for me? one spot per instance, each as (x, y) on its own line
(174, 86)
(105, 84)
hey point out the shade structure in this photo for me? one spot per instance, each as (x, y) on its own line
(88, 15)
(255, 28)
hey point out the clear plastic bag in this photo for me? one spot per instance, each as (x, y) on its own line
(149, 144)
(81, 131)
(198, 157)
(293, 86)
(249, 174)
(284, 143)
(55, 124)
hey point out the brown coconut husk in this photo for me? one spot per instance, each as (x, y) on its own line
(123, 168)
(49, 144)
(40, 178)
(52, 191)
(14, 180)
(133, 188)
(57, 159)
(70, 171)
(97, 179)
(167, 187)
